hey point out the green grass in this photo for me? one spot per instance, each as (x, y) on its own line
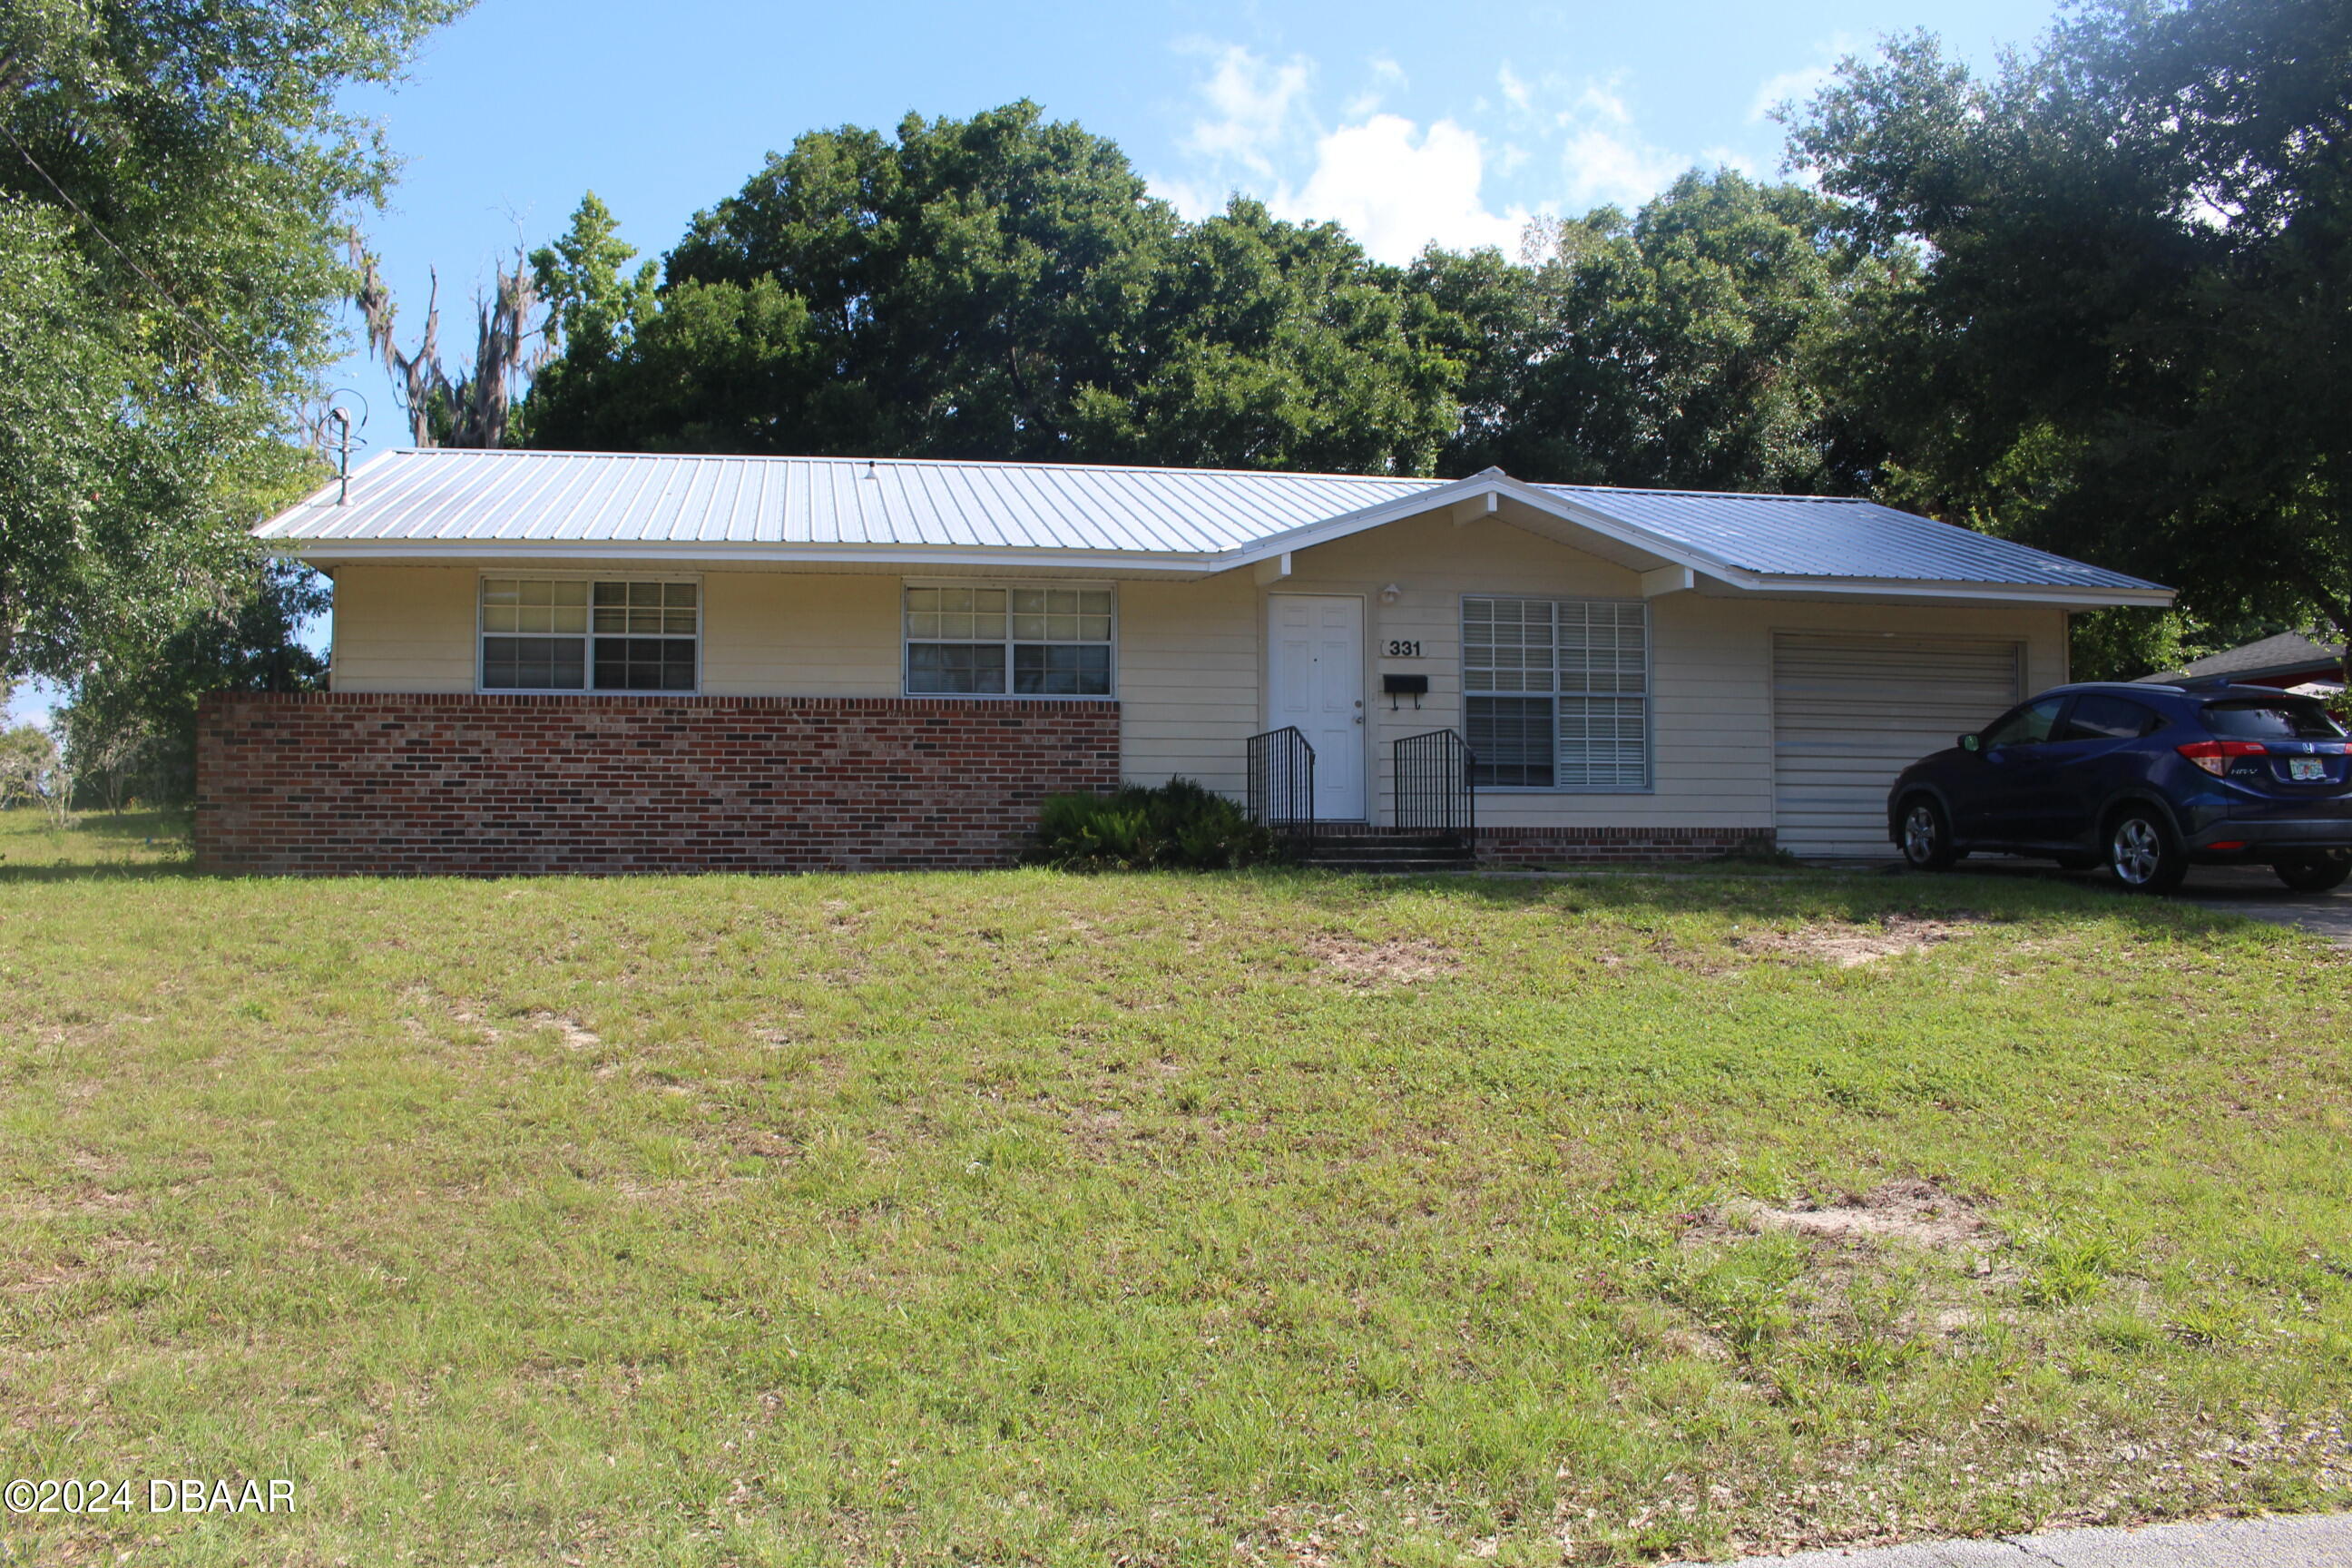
(1185, 1219)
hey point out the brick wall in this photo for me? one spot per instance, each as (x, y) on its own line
(351, 783)
(1536, 846)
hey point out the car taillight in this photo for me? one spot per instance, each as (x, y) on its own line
(2214, 756)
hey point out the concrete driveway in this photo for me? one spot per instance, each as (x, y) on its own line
(2248, 890)
(2311, 1542)
(2253, 891)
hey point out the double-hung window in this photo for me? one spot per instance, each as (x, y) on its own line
(1556, 692)
(571, 634)
(1015, 641)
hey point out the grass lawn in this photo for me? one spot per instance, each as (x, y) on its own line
(1246, 1218)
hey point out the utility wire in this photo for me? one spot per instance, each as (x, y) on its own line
(128, 260)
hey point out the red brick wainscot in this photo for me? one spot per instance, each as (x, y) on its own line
(370, 783)
(1527, 847)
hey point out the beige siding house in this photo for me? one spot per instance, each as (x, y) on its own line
(1638, 669)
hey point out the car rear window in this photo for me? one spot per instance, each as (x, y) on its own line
(2258, 720)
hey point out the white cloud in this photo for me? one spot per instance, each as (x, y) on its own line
(1251, 102)
(1731, 158)
(1600, 167)
(1396, 194)
(1794, 86)
(1387, 77)
(1797, 86)
(1398, 183)
(1603, 158)
(1193, 199)
(1516, 90)
(1599, 100)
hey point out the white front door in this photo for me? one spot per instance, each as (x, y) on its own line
(1316, 644)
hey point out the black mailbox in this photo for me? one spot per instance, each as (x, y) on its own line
(1395, 686)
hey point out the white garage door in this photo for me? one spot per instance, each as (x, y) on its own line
(1849, 713)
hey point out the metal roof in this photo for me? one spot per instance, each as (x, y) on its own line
(1826, 536)
(444, 494)
(415, 503)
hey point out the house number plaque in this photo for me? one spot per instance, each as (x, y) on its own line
(1404, 649)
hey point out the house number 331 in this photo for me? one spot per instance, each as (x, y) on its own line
(1404, 649)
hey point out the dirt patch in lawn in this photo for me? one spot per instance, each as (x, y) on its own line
(576, 1035)
(1911, 1211)
(1362, 965)
(1847, 945)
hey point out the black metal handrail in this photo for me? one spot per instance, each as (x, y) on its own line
(1436, 786)
(1282, 781)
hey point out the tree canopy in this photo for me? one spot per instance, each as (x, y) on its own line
(2128, 335)
(171, 181)
(1005, 287)
(1677, 347)
(998, 287)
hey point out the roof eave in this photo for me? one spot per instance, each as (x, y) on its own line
(714, 552)
(2069, 596)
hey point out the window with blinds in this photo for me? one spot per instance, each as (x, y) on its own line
(1017, 640)
(1557, 692)
(570, 633)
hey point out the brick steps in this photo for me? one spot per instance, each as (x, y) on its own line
(1391, 853)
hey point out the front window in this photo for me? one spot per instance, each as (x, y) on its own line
(2026, 726)
(1557, 692)
(569, 634)
(1020, 641)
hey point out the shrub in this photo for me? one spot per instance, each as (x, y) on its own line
(1179, 825)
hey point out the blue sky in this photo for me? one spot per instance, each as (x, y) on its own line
(1407, 122)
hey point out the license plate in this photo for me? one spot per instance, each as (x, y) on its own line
(2306, 770)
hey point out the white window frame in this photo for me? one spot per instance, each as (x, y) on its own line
(588, 639)
(1555, 695)
(1009, 640)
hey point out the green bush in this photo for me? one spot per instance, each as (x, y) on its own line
(1179, 824)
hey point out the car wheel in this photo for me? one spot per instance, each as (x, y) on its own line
(1927, 835)
(2142, 853)
(2314, 873)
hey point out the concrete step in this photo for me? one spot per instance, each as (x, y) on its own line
(1398, 868)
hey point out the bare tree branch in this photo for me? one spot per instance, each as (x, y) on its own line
(510, 346)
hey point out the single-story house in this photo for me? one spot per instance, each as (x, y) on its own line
(2290, 661)
(599, 662)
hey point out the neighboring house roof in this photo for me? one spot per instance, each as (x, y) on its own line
(476, 504)
(2288, 653)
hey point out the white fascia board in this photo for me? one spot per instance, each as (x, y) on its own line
(2057, 596)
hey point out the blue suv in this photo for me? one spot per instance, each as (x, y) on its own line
(2146, 780)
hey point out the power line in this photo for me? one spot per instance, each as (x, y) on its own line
(128, 260)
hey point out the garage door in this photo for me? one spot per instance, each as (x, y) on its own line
(1850, 713)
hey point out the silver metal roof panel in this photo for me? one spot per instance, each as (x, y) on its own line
(1825, 536)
